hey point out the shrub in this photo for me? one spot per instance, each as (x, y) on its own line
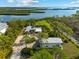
(29, 39)
(65, 41)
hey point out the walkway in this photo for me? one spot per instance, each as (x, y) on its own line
(19, 44)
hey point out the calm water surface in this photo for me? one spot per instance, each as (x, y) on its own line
(48, 13)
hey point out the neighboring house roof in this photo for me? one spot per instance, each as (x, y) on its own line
(37, 29)
(51, 40)
(3, 27)
(28, 28)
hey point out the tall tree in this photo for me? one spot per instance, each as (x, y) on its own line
(43, 54)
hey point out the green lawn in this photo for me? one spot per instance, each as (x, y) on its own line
(71, 50)
(44, 23)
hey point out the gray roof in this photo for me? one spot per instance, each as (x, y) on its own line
(51, 40)
(3, 26)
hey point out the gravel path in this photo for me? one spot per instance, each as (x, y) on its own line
(17, 47)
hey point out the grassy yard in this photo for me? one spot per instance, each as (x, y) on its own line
(44, 23)
(71, 50)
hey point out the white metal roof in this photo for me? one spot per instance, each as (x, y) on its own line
(37, 29)
(52, 40)
(3, 26)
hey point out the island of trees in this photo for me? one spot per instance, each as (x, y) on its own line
(19, 11)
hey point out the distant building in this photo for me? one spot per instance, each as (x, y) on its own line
(37, 29)
(33, 29)
(50, 42)
(3, 28)
(28, 28)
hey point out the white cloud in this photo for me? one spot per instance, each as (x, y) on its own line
(23, 2)
(75, 2)
(10, 1)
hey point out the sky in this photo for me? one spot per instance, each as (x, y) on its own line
(39, 3)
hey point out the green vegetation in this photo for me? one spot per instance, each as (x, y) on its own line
(43, 35)
(42, 54)
(9, 11)
(58, 25)
(49, 30)
(29, 39)
(77, 57)
(71, 50)
(27, 52)
(52, 27)
(7, 40)
(44, 24)
(63, 27)
(5, 46)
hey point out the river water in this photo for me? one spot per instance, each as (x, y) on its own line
(48, 13)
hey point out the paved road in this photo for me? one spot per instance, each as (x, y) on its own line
(71, 38)
(17, 47)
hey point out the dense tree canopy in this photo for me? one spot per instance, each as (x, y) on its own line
(5, 46)
(42, 54)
